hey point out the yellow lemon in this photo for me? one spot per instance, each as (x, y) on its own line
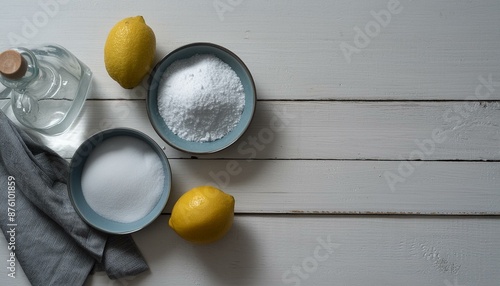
(129, 51)
(203, 214)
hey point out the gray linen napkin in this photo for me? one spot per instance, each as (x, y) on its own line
(53, 245)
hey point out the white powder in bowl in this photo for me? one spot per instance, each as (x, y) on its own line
(200, 98)
(123, 179)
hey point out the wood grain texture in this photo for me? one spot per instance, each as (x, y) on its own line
(262, 250)
(343, 187)
(327, 130)
(427, 50)
(409, 123)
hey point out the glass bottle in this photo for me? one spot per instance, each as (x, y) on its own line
(48, 85)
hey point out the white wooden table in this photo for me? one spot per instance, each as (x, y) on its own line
(382, 166)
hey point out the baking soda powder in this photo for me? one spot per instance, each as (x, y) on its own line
(123, 179)
(200, 98)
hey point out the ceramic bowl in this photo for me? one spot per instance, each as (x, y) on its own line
(75, 186)
(186, 52)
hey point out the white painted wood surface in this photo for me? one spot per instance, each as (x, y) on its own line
(430, 50)
(327, 130)
(340, 187)
(268, 250)
(348, 160)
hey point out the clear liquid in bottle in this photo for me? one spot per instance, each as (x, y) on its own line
(49, 86)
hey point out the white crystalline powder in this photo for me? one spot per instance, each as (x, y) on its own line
(123, 179)
(201, 98)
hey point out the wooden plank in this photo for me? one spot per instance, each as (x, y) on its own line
(346, 187)
(327, 130)
(305, 250)
(321, 187)
(427, 50)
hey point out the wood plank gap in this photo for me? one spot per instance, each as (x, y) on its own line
(378, 100)
(334, 159)
(324, 100)
(115, 99)
(363, 214)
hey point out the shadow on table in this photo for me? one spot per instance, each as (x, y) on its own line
(229, 260)
(237, 164)
(233, 259)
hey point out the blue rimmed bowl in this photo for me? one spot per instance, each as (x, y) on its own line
(77, 198)
(185, 52)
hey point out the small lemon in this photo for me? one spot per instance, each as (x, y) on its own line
(129, 51)
(203, 214)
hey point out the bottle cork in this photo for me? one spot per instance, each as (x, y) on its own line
(12, 65)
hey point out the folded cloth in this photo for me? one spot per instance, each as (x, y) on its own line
(53, 245)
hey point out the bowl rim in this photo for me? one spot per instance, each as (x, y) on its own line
(95, 140)
(152, 76)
